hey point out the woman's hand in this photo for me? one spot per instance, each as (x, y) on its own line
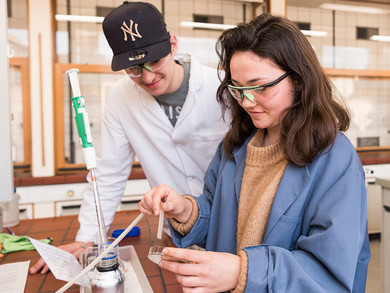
(207, 271)
(173, 204)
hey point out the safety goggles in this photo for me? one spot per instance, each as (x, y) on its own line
(249, 92)
(154, 66)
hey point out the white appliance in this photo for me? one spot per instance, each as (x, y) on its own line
(374, 195)
(385, 237)
(385, 245)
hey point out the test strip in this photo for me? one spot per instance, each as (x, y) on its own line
(160, 224)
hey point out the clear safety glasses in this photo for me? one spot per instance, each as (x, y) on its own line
(154, 66)
(249, 92)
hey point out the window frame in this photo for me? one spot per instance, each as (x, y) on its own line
(22, 64)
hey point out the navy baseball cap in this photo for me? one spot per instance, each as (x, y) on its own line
(136, 33)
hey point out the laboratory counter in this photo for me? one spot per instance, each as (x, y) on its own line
(63, 230)
(371, 157)
(25, 178)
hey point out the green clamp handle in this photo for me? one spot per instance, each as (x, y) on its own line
(82, 121)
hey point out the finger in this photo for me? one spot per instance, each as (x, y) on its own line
(158, 197)
(193, 290)
(45, 269)
(180, 268)
(143, 209)
(168, 207)
(35, 268)
(189, 255)
(145, 205)
(153, 199)
(171, 258)
(78, 252)
(190, 281)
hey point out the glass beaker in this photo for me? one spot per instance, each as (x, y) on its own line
(91, 251)
(88, 255)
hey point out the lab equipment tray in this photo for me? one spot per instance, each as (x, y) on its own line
(134, 274)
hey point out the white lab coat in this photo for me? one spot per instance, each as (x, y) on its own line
(134, 123)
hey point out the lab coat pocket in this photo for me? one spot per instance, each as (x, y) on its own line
(206, 144)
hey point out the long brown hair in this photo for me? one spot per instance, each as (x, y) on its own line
(311, 123)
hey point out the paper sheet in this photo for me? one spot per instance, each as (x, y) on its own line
(13, 277)
(62, 264)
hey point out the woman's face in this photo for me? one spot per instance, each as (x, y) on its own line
(248, 69)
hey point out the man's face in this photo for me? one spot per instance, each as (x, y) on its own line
(154, 77)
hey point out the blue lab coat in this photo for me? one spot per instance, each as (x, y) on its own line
(316, 239)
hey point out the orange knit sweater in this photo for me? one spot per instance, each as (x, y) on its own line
(263, 171)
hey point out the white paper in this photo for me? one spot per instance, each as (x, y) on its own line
(13, 277)
(62, 264)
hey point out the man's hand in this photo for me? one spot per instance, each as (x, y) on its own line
(75, 248)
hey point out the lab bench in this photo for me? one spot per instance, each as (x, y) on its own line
(63, 230)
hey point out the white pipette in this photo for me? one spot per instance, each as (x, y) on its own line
(84, 131)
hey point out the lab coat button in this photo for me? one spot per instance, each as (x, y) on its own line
(189, 179)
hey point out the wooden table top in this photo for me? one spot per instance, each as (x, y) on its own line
(374, 157)
(63, 230)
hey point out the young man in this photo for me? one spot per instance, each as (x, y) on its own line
(164, 111)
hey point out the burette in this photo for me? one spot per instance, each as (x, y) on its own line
(84, 131)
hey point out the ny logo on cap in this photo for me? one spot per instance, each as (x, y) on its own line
(126, 30)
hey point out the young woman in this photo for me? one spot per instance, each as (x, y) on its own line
(284, 201)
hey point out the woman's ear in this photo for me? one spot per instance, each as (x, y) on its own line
(173, 40)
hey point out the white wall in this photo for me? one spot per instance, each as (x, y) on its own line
(6, 175)
(368, 100)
